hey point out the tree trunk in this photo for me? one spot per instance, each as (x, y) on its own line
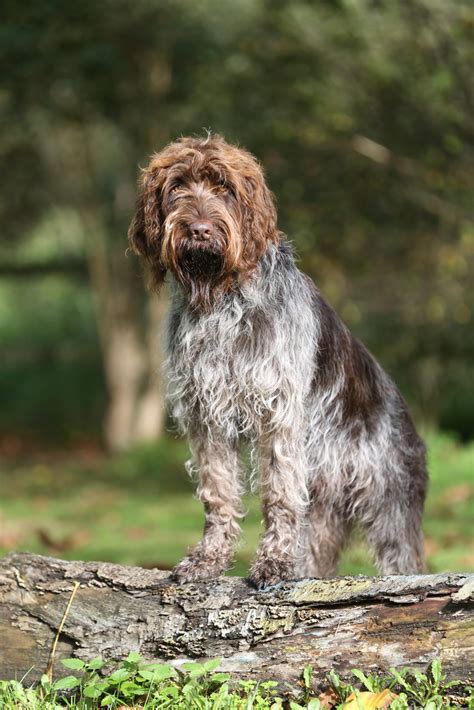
(150, 408)
(132, 351)
(341, 623)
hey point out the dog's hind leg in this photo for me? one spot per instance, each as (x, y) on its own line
(322, 541)
(397, 542)
(394, 527)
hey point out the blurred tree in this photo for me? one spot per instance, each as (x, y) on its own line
(80, 100)
(360, 110)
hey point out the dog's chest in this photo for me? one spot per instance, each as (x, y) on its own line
(222, 369)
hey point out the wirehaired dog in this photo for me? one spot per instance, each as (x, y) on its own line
(256, 353)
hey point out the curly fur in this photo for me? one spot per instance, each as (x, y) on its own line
(256, 353)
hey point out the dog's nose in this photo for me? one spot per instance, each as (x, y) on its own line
(201, 230)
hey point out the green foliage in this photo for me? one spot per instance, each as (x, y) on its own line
(51, 382)
(373, 683)
(412, 689)
(360, 111)
(425, 689)
(134, 683)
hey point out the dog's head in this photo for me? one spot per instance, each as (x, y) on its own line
(205, 213)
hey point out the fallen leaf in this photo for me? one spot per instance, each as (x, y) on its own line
(369, 701)
(328, 699)
(66, 543)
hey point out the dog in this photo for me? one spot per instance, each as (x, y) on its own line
(256, 354)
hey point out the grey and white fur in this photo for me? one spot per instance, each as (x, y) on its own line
(269, 362)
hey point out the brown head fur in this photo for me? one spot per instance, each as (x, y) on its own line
(221, 190)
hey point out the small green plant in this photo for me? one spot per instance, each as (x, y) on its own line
(133, 683)
(413, 689)
(308, 702)
(341, 690)
(374, 683)
(426, 689)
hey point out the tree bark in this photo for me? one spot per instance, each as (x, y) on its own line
(132, 353)
(150, 408)
(341, 623)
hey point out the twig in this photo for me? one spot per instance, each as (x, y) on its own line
(49, 670)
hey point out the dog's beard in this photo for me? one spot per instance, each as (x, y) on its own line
(200, 271)
(204, 269)
(202, 264)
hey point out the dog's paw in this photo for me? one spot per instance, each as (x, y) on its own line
(268, 571)
(197, 568)
(186, 571)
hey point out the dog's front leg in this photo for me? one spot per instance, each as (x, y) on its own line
(219, 490)
(284, 504)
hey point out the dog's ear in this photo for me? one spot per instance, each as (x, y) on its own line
(259, 216)
(145, 231)
(136, 232)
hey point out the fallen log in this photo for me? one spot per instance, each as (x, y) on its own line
(371, 623)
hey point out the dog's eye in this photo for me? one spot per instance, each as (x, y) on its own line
(176, 190)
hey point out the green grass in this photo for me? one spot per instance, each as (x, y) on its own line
(136, 684)
(138, 508)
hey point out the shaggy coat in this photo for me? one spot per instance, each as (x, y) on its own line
(255, 353)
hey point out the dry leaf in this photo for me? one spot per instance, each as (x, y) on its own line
(61, 545)
(369, 701)
(329, 699)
